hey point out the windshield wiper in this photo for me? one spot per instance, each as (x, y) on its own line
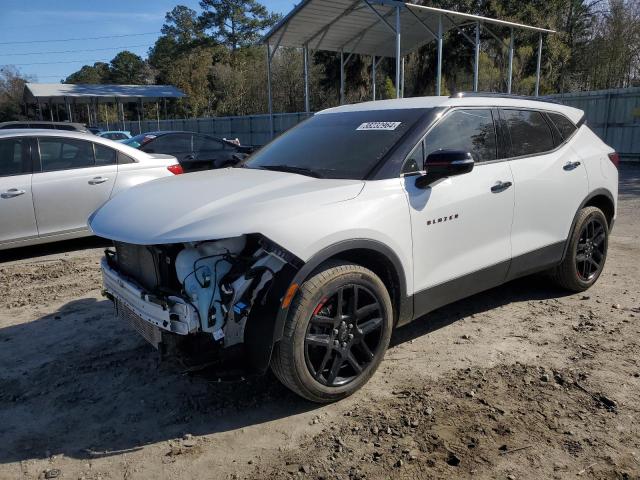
(292, 169)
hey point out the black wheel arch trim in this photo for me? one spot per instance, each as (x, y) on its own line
(265, 329)
(595, 193)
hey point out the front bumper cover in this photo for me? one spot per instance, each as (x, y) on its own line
(172, 314)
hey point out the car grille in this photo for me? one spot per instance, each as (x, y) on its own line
(149, 332)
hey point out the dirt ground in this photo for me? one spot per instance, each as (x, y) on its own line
(520, 382)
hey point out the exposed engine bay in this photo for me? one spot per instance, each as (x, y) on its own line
(206, 288)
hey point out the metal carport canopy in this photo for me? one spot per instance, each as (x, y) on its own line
(382, 28)
(62, 93)
(354, 27)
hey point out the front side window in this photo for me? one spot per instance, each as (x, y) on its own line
(14, 158)
(529, 132)
(337, 145)
(470, 130)
(65, 154)
(415, 160)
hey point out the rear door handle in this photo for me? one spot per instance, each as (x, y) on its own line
(12, 192)
(500, 187)
(571, 166)
(97, 180)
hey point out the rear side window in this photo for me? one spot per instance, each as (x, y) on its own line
(470, 130)
(530, 133)
(171, 143)
(65, 154)
(206, 146)
(14, 157)
(563, 124)
(104, 155)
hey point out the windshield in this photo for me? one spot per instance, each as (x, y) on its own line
(337, 145)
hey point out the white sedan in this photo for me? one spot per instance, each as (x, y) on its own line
(51, 181)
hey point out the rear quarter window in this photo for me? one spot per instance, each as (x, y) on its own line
(565, 126)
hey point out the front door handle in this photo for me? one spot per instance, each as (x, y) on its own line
(571, 166)
(500, 187)
(97, 180)
(12, 192)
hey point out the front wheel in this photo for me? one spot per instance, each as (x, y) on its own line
(586, 252)
(336, 333)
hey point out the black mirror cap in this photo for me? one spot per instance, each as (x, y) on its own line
(445, 163)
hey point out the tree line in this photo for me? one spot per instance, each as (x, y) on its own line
(214, 56)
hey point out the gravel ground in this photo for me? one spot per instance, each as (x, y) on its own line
(522, 381)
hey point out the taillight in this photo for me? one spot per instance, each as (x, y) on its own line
(176, 169)
(615, 158)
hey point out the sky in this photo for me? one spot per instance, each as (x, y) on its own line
(50, 39)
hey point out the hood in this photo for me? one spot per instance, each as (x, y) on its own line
(215, 204)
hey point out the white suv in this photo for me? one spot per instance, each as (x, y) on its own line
(361, 219)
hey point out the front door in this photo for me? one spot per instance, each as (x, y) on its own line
(17, 218)
(73, 183)
(461, 225)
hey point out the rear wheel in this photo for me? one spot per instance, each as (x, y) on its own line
(586, 252)
(336, 333)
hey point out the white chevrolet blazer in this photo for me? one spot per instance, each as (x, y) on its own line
(308, 254)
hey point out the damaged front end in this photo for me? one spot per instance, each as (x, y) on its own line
(226, 293)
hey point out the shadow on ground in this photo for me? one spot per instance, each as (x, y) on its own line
(77, 382)
(66, 246)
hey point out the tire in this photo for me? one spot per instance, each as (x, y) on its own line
(305, 359)
(588, 243)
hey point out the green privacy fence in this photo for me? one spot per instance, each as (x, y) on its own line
(250, 129)
(612, 114)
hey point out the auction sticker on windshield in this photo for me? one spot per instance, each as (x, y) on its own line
(379, 126)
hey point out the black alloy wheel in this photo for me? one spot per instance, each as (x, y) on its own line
(590, 251)
(343, 335)
(586, 251)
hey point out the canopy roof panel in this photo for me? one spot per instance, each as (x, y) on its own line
(88, 93)
(367, 27)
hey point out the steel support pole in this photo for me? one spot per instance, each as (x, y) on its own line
(88, 115)
(106, 115)
(373, 76)
(476, 62)
(341, 77)
(539, 64)
(138, 108)
(398, 60)
(158, 114)
(509, 82)
(305, 52)
(402, 79)
(269, 98)
(439, 68)
(51, 110)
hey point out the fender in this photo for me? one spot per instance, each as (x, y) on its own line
(266, 327)
(587, 199)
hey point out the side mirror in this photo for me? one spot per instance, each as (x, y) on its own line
(443, 164)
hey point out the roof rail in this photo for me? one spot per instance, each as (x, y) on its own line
(501, 95)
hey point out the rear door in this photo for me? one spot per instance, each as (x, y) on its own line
(17, 216)
(76, 178)
(550, 184)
